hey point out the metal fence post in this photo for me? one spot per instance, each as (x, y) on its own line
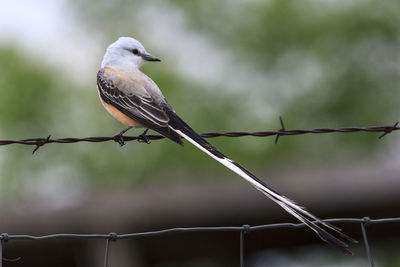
(366, 220)
(1, 251)
(245, 229)
(112, 237)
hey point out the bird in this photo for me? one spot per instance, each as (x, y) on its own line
(134, 99)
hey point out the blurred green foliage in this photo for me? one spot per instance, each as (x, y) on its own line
(354, 46)
(351, 50)
(26, 96)
(321, 63)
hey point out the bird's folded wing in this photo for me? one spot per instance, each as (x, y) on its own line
(130, 93)
(138, 97)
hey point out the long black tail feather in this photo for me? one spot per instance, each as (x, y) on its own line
(310, 220)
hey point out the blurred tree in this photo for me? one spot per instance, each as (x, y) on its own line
(317, 64)
(24, 86)
(326, 64)
(29, 94)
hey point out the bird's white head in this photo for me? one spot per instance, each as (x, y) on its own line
(126, 52)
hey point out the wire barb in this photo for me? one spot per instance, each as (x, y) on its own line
(283, 129)
(389, 130)
(41, 142)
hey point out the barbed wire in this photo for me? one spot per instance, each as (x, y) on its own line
(244, 229)
(121, 139)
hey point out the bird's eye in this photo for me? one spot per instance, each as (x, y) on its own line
(135, 51)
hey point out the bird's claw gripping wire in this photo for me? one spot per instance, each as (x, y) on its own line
(119, 138)
(142, 138)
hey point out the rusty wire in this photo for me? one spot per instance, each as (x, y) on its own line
(39, 142)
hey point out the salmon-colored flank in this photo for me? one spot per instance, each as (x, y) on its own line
(120, 116)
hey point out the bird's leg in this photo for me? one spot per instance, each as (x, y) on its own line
(119, 138)
(143, 138)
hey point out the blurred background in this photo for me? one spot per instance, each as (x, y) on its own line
(226, 66)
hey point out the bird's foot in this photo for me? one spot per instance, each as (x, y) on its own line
(119, 138)
(143, 137)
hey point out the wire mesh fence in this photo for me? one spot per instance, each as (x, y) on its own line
(242, 230)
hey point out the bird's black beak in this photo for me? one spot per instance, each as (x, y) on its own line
(149, 57)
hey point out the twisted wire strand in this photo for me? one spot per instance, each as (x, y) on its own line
(38, 142)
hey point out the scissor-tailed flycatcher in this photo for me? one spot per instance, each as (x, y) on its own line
(135, 100)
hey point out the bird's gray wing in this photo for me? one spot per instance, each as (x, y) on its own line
(130, 92)
(138, 97)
